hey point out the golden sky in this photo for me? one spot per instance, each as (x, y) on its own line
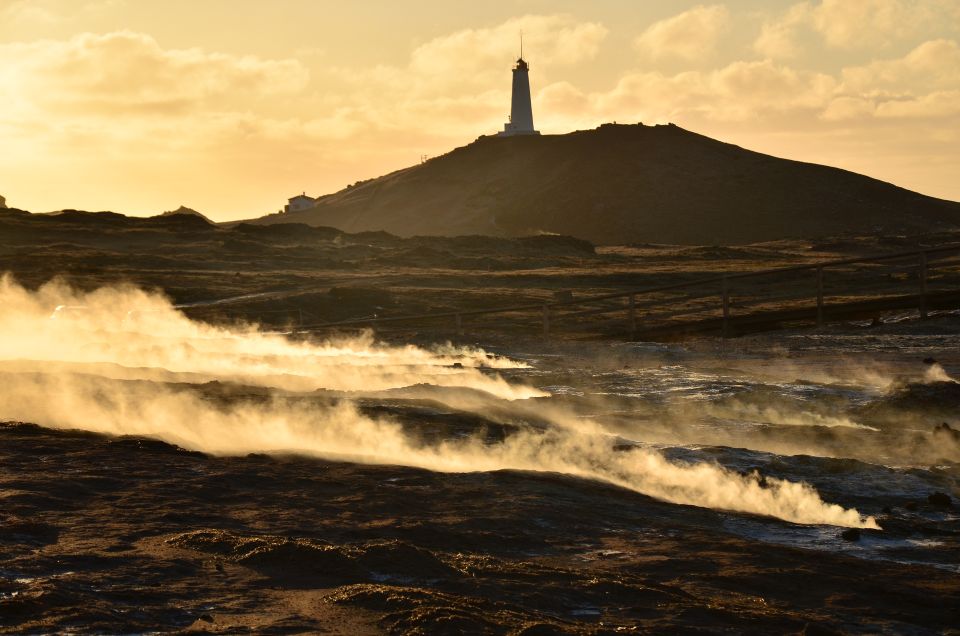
(231, 106)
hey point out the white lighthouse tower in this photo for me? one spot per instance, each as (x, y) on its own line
(521, 113)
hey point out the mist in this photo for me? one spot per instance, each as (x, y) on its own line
(123, 361)
(835, 405)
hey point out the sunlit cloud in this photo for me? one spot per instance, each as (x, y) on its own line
(847, 108)
(129, 73)
(849, 24)
(691, 35)
(779, 37)
(937, 104)
(26, 13)
(931, 65)
(738, 91)
(22, 12)
(548, 40)
(869, 23)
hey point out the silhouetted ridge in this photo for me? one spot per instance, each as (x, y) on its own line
(183, 211)
(625, 184)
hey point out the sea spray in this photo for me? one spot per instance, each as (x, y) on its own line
(131, 328)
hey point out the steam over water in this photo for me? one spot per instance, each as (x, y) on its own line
(123, 361)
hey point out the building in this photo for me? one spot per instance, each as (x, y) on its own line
(299, 202)
(521, 112)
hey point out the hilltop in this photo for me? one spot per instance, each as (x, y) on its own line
(622, 184)
(186, 211)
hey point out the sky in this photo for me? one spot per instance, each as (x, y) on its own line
(230, 107)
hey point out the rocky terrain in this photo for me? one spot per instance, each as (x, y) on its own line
(124, 534)
(165, 467)
(293, 274)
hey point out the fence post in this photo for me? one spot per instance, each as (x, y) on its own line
(633, 314)
(923, 285)
(459, 320)
(546, 320)
(820, 297)
(726, 307)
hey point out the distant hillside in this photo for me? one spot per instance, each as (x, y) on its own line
(625, 184)
(37, 247)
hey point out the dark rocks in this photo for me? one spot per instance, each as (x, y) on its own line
(850, 534)
(291, 560)
(14, 530)
(939, 499)
(557, 242)
(295, 560)
(815, 629)
(755, 475)
(305, 543)
(937, 401)
(540, 629)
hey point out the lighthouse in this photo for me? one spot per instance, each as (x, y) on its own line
(521, 113)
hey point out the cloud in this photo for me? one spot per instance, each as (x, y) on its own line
(850, 24)
(847, 108)
(924, 83)
(142, 109)
(129, 73)
(779, 38)
(26, 13)
(21, 12)
(461, 80)
(861, 23)
(476, 60)
(121, 119)
(936, 104)
(690, 36)
(739, 91)
(934, 64)
(548, 40)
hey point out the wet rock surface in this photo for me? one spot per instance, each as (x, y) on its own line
(123, 535)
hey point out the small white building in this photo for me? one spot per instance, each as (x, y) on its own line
(299, 202)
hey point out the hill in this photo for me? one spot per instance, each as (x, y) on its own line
(185, 211)
(622, 184)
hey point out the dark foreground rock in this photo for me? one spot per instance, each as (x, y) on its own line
(939, 499)
(109, 535)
